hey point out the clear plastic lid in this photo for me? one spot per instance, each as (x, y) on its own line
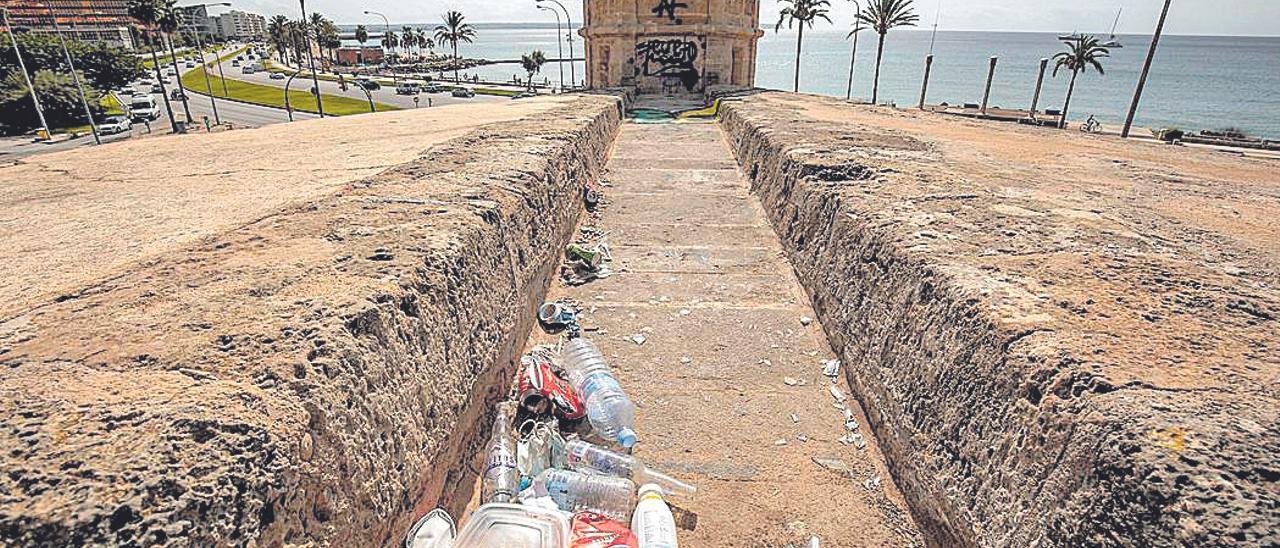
(514, 526)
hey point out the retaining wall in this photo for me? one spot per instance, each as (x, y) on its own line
(1037, 373)
(322, 375)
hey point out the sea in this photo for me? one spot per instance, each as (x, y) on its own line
(1196, 82)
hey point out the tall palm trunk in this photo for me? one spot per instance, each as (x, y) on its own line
(853, 59)
(177, 74)
(164, 94)
(1071, 89)
(799, 44)
(455, 63)
(875, 89)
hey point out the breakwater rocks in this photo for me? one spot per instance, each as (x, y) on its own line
(1061, 340)
(311, 377)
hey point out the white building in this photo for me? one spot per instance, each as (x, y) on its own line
(238, 25)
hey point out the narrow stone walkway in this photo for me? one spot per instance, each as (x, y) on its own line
(728, 379)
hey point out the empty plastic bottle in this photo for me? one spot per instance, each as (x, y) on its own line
(576, 492)
(610, 411)
(653, 523)
(501, 475)
(587, 457)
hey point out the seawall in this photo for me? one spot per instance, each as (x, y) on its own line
(1060, 340)
(316, 375)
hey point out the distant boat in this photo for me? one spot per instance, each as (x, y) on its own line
(1113, 42)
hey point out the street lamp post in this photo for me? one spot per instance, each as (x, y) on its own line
(208, 86)
(1146, 68)
(559, 42)
(386, 23)
(311, 60)
(25, 75)
(84, 99)
(573, 72)
(287, 107)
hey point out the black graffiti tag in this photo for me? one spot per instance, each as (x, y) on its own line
(670, 58)
(670, 7)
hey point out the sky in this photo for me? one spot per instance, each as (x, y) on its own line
(1217, 17)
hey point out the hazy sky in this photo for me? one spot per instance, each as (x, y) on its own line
(1251, 17)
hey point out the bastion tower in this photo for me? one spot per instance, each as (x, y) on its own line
(671, 46)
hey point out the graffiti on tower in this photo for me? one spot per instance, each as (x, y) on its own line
(668, 8)
(672, 59)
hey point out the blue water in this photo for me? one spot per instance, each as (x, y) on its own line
(1197, 82)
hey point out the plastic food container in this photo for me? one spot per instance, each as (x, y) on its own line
(514, 526)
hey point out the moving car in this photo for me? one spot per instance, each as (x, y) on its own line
(408, 88)
(463, 92)
(176, 94)
(235, 63)
(277, 76)
(155, 88)
(368, 85)
(112, 125)
(247, 69)
(191, 64)
(143, 107)
(433, 88)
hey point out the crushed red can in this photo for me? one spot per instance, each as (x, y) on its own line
(543, 391)
(592, 530)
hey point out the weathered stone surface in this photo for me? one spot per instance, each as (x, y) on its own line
(313, 376)
(1060, 339)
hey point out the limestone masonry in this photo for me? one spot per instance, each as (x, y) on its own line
(671, 46)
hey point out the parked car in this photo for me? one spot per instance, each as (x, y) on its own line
(191, 64)
(463, 92)
(277, 76)
(112, 125)
(176, 94)
(433, 88)
(235, 63)
(155, 88)
(368, 84)
(408, 88)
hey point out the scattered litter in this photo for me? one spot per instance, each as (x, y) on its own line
(837, 393)
(835, 465)
(850, 423)
(765, 362)
(686, 360)
(780, 442)
(434, 530)
(638, 339)
(805, 320)
(814, 542)
(557, 316)
(831, 368)
(872, 483)
(795, 418)
(685, 311)
(790, 381)
(802, 438)
(855, 439)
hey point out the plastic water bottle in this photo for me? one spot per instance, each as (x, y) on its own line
(584, 456)
(501, 475)
(653, 523)
(576, 492)
(610, 411)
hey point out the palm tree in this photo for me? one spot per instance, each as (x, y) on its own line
(147, 14)
(1082, 53)
(409, 38)
(532, 64)
(454, 30)
(316, 23)
(390, 41)
(169, 22)
(362, 34)
(883, 16)
(853, 57)
(278, 30)
(805, 12)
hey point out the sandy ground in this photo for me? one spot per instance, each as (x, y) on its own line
(728, 379)
(69, 219)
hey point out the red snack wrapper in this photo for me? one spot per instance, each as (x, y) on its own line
(538, 379)
(592, 530)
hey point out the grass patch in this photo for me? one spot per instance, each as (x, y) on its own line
(272, 96)
(272, 66)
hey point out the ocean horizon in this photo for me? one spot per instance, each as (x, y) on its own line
(1196, 82)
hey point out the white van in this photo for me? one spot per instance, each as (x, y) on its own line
(143, 107)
